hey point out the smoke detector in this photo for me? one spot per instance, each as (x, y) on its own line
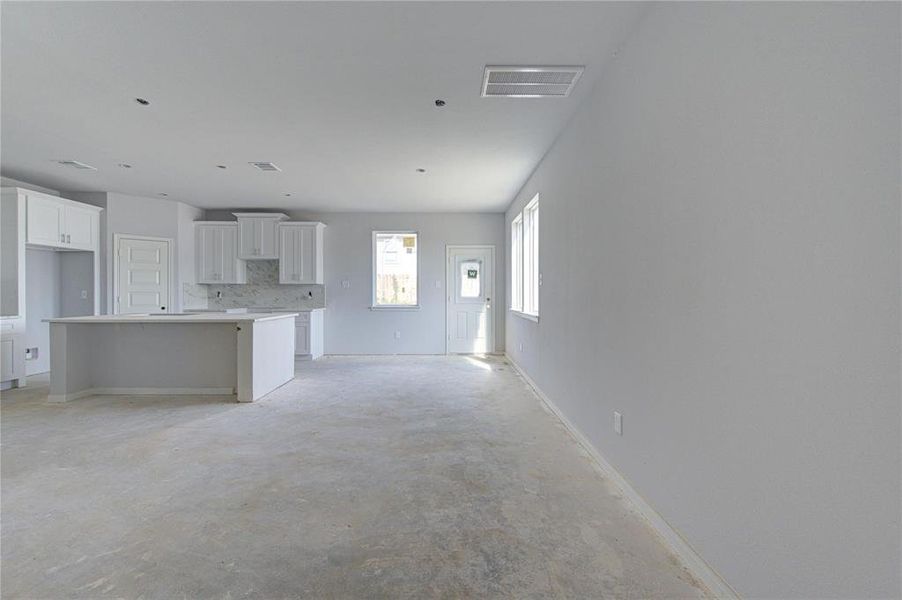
(529, 82)
(265, 166)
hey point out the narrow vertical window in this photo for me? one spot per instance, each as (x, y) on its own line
(517, 263)
(394, 268)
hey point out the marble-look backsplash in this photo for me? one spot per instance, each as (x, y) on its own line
(261, 290)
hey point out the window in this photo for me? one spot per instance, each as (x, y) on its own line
(517, 263)
(525, 275)
(394, 269)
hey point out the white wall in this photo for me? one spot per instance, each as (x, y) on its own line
(350, 326)
(720, 249)
(42, 301)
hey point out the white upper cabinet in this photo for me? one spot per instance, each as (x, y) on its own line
(216, 253)
(81, 228)
(301, 252)
(45, 221)
(60, 223)
(258, 235)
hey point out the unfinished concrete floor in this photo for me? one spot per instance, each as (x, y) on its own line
(376, 477)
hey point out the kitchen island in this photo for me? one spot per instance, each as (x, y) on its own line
(247, 355)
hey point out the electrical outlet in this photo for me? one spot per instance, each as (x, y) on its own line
(84, 294)
(345, 283)
(618, 423)
(397, 335)
(438, 284)
(31, 353)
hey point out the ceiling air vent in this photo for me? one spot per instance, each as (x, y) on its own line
(265, 166)
(529, 82)
(76, 165)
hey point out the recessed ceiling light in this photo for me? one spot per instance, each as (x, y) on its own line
(125, 165)
(142, 101)
(421, 170)
(163, 194)
(287, 195)
(221, 166)
(76, 165)
(439, 102)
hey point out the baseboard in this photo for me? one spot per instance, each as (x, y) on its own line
(700, 569)
(142, 391)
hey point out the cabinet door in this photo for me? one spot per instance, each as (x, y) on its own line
(268, 244)
(207, 244)
(228, 255)
(287, 254)
(248, 236)
(7, 358)
(302, 338)
(306, 255)
(44, 222)
(80, 228)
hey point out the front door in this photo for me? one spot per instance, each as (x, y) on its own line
(142, 276)
(470, 309)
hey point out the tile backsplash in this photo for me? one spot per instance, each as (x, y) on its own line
(261, 290)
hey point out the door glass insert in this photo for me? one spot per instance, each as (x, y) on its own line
(470, 279)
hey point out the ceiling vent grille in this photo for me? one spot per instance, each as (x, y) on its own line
(529, 82)
(265, 166)
(76, 165)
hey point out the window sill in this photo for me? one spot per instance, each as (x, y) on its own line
(402, 307)
(527, 316)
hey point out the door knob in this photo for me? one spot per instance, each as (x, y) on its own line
(162, 308)
(488, 299)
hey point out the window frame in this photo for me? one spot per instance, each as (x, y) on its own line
(517, 263)
(375, 266)
(526, 276)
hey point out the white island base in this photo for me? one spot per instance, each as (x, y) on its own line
(247, 355)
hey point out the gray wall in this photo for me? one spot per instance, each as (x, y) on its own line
(720, 249)
(350, 326)
(42, 301)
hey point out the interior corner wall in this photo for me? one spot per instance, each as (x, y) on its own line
(137, 215)
(720, 251)
(42, 283)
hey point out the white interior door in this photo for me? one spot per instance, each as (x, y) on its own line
(470, 310)
(142, 276)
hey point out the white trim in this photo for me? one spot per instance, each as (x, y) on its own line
(523, 315)
(677, 544)
(373, 305)
(448, 248)
(142, 391)
(117, 238)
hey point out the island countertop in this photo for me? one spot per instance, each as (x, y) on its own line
(177, 318)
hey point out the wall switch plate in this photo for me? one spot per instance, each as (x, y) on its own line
(438, 284)
(520, 346)
(618, 423)
(31, 353)
(397, 335)
(345, 283)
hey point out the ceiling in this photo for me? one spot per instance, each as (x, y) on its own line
(341, 96)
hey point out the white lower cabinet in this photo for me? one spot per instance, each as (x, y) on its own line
(216, 253)
(308, 334)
